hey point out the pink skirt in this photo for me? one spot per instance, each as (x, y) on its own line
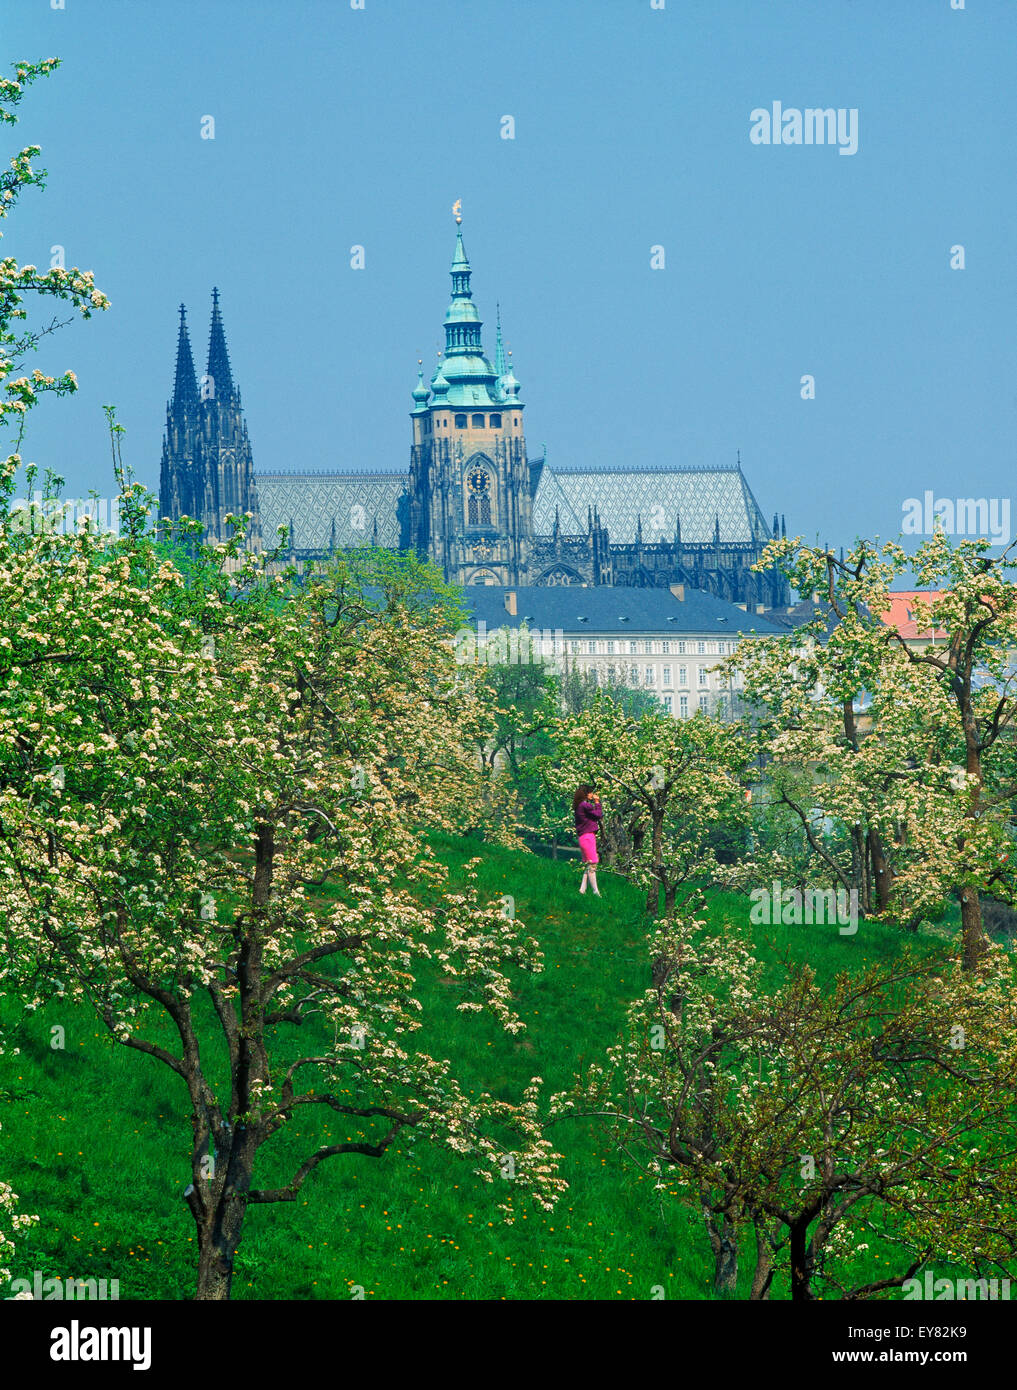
(588, 845)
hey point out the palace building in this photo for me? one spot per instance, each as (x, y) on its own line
(472, 500)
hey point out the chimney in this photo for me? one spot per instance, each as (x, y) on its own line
(760, 607)
(510, 602)
(679, 592)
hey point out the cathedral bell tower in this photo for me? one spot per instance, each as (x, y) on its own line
(470, 503)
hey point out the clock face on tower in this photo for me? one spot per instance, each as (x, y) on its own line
(479, 481)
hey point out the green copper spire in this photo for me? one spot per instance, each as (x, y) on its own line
(471, 378)
(420, 391)
(462, 322)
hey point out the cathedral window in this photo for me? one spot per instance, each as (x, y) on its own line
(460, 422)
(496, 422)
(478, 422)
(478, 490)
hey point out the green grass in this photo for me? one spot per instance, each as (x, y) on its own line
(96, 1139)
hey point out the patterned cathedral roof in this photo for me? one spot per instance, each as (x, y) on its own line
(657, 496)
(354, 501)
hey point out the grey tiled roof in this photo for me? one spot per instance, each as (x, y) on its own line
(355, 500)
(609, 610)
(658, 495)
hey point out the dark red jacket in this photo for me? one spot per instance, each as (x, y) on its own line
(588, 817)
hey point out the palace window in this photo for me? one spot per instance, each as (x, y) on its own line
(460, 422)
(683, 706)
(496, 422)
(667, 675)
(668, 703)
(704, 704)
(650, 675)
(683, 675)
(478, 422)
(701, 676)
(681, 648)
(701, 648)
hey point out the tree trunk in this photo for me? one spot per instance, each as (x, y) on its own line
(218, 1238)
(554, 846)
(973, 938)
(972, 931)
(881, 872)
(762, 1276)
(724, 1244)
(800, 1290)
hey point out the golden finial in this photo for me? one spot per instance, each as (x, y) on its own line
(457, 211)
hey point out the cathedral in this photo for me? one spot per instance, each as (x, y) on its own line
(472, 500)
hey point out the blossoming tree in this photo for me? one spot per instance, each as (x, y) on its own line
(922, 781)
(20, 392)
(821, 1118)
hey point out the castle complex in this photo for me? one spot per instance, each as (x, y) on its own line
(473, 501)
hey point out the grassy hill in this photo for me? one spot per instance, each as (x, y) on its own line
(95, 1139)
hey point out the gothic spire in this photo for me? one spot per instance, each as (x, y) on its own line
(218, 370)
(185, 390)
(499, 347)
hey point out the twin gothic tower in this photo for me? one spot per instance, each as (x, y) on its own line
(470, 499)
(207, 468)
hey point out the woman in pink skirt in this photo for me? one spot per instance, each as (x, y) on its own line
(588, 811)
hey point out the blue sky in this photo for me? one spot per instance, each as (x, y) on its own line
(336, 127)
